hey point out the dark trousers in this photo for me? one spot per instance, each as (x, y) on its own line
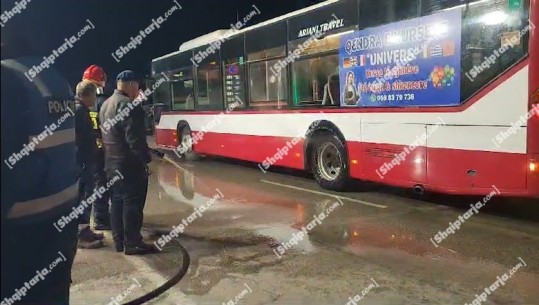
(128, 200)
(89, 180)
(27, 249)
(86, 189)
(101, 205)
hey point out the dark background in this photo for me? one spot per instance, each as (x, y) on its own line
(44, 25)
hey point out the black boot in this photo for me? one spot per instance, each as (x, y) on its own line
(140, 249)
(119, 245)
(102, 223)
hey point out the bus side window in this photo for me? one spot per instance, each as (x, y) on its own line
(268, 77)
(493, 39)
(209, 94)
(311, 79)
(233, 57)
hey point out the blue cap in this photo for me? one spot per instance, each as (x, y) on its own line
(127, 76)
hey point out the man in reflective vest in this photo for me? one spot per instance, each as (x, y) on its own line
(86, 159)
(39, 178)
(96, 75)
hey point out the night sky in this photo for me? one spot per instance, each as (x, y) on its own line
(44, 24)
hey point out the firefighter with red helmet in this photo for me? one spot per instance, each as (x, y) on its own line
(97, 76)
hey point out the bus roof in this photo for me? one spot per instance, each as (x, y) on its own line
(225, 33)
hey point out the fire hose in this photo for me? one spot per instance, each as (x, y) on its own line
(186, 260)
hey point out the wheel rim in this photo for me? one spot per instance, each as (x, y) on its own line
(187, 140)
(329, 161)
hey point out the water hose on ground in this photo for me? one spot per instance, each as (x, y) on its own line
(186, 260)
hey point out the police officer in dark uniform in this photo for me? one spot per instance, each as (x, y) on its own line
(39, 183)
(126, 151)
(96, 75)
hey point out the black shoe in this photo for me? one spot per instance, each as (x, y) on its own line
(119, 246)
(85, 244)
(87, 234)
(102, 227)
(140, 249)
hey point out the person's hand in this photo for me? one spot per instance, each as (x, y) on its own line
(147, 169)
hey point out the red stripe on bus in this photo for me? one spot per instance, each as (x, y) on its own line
(451, 171)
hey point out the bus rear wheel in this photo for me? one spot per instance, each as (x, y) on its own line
(185, 149)
(330, 162)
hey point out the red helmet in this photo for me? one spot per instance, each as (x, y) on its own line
(95, 74)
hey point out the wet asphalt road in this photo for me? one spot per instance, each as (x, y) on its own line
(377, 242)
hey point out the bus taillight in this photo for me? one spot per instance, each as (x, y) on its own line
(533, 166)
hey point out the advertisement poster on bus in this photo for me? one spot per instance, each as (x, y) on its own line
(409, 63)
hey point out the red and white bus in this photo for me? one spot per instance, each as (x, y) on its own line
(285, 92)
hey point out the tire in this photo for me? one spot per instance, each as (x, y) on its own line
(328, 149)
(189, 154)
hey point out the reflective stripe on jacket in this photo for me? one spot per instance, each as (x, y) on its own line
(38, 142)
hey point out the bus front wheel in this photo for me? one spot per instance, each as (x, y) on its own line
(330, 162)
